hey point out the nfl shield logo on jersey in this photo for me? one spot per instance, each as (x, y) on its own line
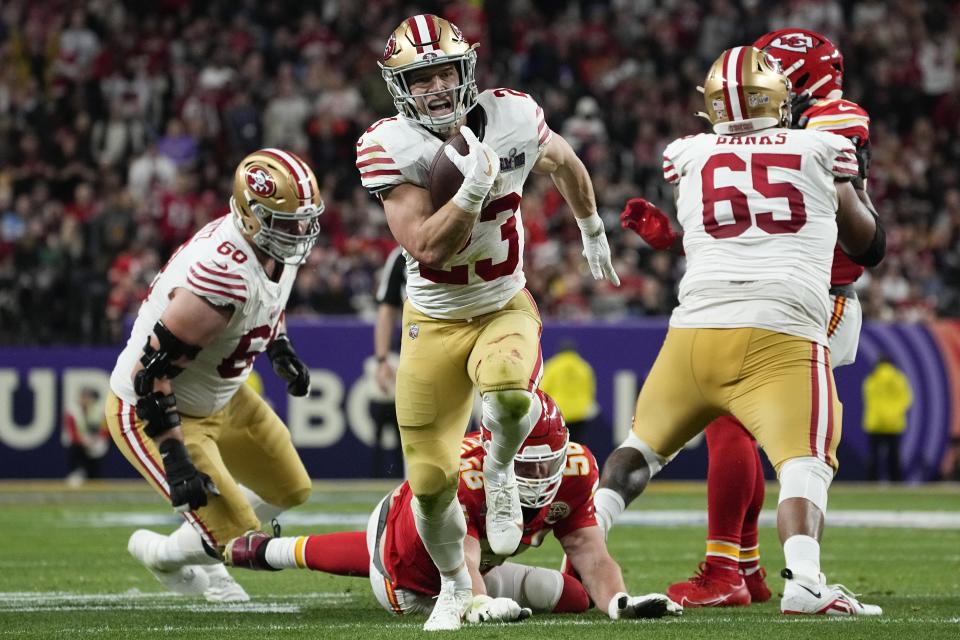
(414, 331)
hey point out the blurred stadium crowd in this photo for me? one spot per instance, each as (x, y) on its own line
(121, 123)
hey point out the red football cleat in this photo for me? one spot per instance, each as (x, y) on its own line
(757, 585)
(248, 551)
(711, 587)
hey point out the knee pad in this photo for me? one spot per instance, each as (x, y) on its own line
(432, 468)
(502, 370)
(431, 484)
(509, 407)
(807, 478)
(534, 587)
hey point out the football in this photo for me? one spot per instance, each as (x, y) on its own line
(445, 178)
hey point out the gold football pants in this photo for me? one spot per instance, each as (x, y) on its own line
(440, 363)
(779, 386)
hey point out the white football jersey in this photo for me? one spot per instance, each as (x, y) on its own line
(217, 264)
(488, 271)
(759, 219)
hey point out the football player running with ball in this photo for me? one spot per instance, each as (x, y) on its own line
(762, 208)
(731, 574)
(556, 479)
(179, 409)
(468, 321)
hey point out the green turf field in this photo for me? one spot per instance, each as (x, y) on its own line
(65, 572)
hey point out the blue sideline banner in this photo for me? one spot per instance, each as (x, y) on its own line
(333, 429)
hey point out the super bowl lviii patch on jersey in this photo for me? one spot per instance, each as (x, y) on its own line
(513, 160)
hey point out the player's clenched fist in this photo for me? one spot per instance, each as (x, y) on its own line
(649, 222)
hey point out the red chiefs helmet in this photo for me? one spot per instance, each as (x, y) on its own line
(542, 457)
(809, 59)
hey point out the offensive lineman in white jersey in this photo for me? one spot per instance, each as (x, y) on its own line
(179, 409)
(762, 207)
(468, 321)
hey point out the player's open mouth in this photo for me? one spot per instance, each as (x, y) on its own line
(439, 106)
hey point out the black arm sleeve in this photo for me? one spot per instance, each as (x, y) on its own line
(875, 252)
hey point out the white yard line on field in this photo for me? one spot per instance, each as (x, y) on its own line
(135, 600)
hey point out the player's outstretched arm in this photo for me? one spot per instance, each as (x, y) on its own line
(572, 179)
(483, 608)
(859, 230)
(603, 580)
(649, 222)
(600, 573)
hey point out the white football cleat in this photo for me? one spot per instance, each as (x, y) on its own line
(822, 599)
(222, 588)
(188, 580)
(504, 515)
(451, 606)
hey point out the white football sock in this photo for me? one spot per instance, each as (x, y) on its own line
(802, 555)
(608, 505)
(286, 553)
(508, 435)
(442, 534)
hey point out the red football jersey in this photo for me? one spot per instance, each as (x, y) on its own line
(405, 558)
(849, 120)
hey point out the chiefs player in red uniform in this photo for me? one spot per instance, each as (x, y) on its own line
(731, 574)
(556, 480)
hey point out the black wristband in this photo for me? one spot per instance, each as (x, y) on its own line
(176, 461)
(159, 411)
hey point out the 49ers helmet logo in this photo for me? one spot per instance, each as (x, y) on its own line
(798, 42)
(391, 47)
(261, 182)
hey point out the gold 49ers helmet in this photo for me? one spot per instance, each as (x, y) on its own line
(746, 90)
(277, 205)
(423, 41)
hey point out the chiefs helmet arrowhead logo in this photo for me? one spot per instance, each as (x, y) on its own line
(261, 183)
(799, 42)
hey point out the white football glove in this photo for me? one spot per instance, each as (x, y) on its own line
(596, 250)
(652, 605)
(487, 609)
(480, 167)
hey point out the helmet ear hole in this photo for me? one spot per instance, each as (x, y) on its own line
(802, 81)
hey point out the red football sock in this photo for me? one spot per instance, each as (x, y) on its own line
(749, 538)
(731, 475)
(573, 598)
(342, 554)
